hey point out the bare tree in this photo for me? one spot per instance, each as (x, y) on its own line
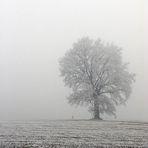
(97, 75)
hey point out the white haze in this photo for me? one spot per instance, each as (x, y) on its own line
(34, 34)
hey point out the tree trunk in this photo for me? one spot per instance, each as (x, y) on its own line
(96, 109)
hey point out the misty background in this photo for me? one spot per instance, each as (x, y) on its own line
(34, 34)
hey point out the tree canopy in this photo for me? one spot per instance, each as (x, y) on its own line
(97, 76)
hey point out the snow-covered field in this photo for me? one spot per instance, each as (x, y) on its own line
(73, 134)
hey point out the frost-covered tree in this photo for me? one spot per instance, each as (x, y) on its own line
(97, 75)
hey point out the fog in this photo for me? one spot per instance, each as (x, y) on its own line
(34, 34)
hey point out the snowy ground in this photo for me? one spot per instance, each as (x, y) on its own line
(73, 134)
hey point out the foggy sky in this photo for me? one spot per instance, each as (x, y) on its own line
(34, 34)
